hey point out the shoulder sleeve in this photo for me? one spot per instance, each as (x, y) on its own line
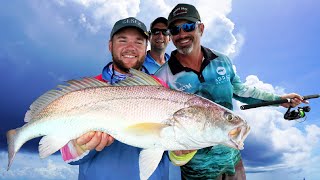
(245, 91)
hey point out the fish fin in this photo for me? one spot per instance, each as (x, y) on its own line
(13, 148)
(50, 144)
(148, 162)
(138, 78)
(146, 128)
(73, 85)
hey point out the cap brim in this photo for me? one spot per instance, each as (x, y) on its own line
(192, 19)
(146, 34)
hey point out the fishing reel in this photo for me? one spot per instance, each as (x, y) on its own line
(298, 113)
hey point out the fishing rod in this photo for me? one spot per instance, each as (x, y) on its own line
(300, 112)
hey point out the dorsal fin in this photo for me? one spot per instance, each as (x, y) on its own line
(138, 78)
(73, 85)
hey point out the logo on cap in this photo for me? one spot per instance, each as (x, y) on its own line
(131, 21)
(179, 11)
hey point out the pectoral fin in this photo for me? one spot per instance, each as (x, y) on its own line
(148, 162)
(50, 144)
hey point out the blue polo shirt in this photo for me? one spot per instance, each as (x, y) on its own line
(152, 65)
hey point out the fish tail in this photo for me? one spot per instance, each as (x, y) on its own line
(12, 145)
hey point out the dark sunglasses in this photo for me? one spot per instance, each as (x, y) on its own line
(157, 31)
(187, 27)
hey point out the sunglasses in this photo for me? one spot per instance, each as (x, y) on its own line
(157, 31)
(187, 27)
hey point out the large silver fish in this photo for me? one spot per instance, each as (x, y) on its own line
(138, 111)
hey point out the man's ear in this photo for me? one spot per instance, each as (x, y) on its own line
(110, 45)
(201, 26)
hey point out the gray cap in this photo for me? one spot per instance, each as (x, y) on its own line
(184, 11)
(129, 22)
(159, 20)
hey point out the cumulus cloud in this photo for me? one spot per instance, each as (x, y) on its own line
(30, 166)
(101, 13)
(218, 27)
(88, 25)
(274, 143)
(254, 81)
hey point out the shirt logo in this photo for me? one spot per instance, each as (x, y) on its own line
(183, 87)
(221, 70)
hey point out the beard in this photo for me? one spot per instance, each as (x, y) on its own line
(188, 49)
(124, 67)
(185, 50)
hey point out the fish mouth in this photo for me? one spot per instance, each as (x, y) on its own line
(238, 135)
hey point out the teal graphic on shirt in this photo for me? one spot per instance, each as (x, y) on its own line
(218, 82)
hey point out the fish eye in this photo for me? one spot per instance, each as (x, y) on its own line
(229, 116)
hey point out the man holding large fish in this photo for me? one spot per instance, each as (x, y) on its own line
(145, 118)
(128, 43)
(138, 118)
(196, 69)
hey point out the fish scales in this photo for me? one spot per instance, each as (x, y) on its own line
(126, 100)
(144, 115)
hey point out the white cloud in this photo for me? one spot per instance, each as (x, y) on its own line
(218, 28)
(104, 13)
(218, 33)
(240, 40)
(291, 148)
(254, 81)
(30, 166)
(83, 20)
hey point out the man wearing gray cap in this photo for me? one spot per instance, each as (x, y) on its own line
(196, 69)
(127, 44)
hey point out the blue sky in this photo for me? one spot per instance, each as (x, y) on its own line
(274, 46)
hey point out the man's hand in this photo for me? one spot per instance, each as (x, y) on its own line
(182, 152)
(296, 99)
(94, 140)
(182, 157)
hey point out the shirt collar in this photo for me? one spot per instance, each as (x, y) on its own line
(150, 58)
(176, 67)
(112, 76)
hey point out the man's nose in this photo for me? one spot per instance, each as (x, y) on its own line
(131, 45)
(161, 34)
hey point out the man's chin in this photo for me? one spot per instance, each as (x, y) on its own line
(185, 50)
